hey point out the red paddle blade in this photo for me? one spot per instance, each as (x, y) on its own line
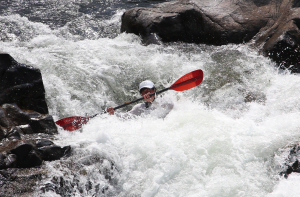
(72, 123)
(188, 81)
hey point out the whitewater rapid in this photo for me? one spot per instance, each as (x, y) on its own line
(226, 137)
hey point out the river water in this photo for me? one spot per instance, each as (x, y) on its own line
(227, 137)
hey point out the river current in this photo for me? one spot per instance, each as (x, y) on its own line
(228, 137)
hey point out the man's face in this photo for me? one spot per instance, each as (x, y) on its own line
(148, 90)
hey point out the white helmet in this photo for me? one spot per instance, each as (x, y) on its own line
(146, 84)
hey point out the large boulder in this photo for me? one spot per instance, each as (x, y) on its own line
(280, 38)
(272, 26)
(215, 22)
(21, 84)
(30, 153)
(15, 122)
(24, 119)
(23, 108)
(20, 164)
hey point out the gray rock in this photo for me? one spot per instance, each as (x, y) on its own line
(20, 181)
(196, 21)
(271, 26)
(280, 38)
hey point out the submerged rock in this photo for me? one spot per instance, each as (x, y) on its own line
(19, 182)
(292, 162)
(80, 181)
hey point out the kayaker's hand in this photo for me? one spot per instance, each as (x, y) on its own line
(110, 110)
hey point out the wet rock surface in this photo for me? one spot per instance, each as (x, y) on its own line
(292, 163)
(26, 121)
(26, 153)
(280, 38)
(26, 129)
(21, 84)
(19, 182)
(271, 26)
(74, 181)
(20, 162)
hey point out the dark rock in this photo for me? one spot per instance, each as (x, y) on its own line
(280, 39)
(195, 21)
(272, 26)
(2, 162)
(26, 129)
(285, 55)
(16, 115)
(29, 121)
(5, 62)
(26, 154)
(21, 84)
(32, 159)
(292, 162)
(23, 111)
(296, 4)
(2, 132)
(4, 121)
(13, 134)
(21, 150)
(54, 152)
(153, 38)
(44, 124)
(22, 97)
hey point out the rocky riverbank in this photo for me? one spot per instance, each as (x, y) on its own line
(26, 128)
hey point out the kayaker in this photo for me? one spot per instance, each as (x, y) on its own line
(151, 105)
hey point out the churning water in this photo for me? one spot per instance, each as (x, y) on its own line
(227, 137)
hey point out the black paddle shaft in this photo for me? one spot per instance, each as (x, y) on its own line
(128, 103)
